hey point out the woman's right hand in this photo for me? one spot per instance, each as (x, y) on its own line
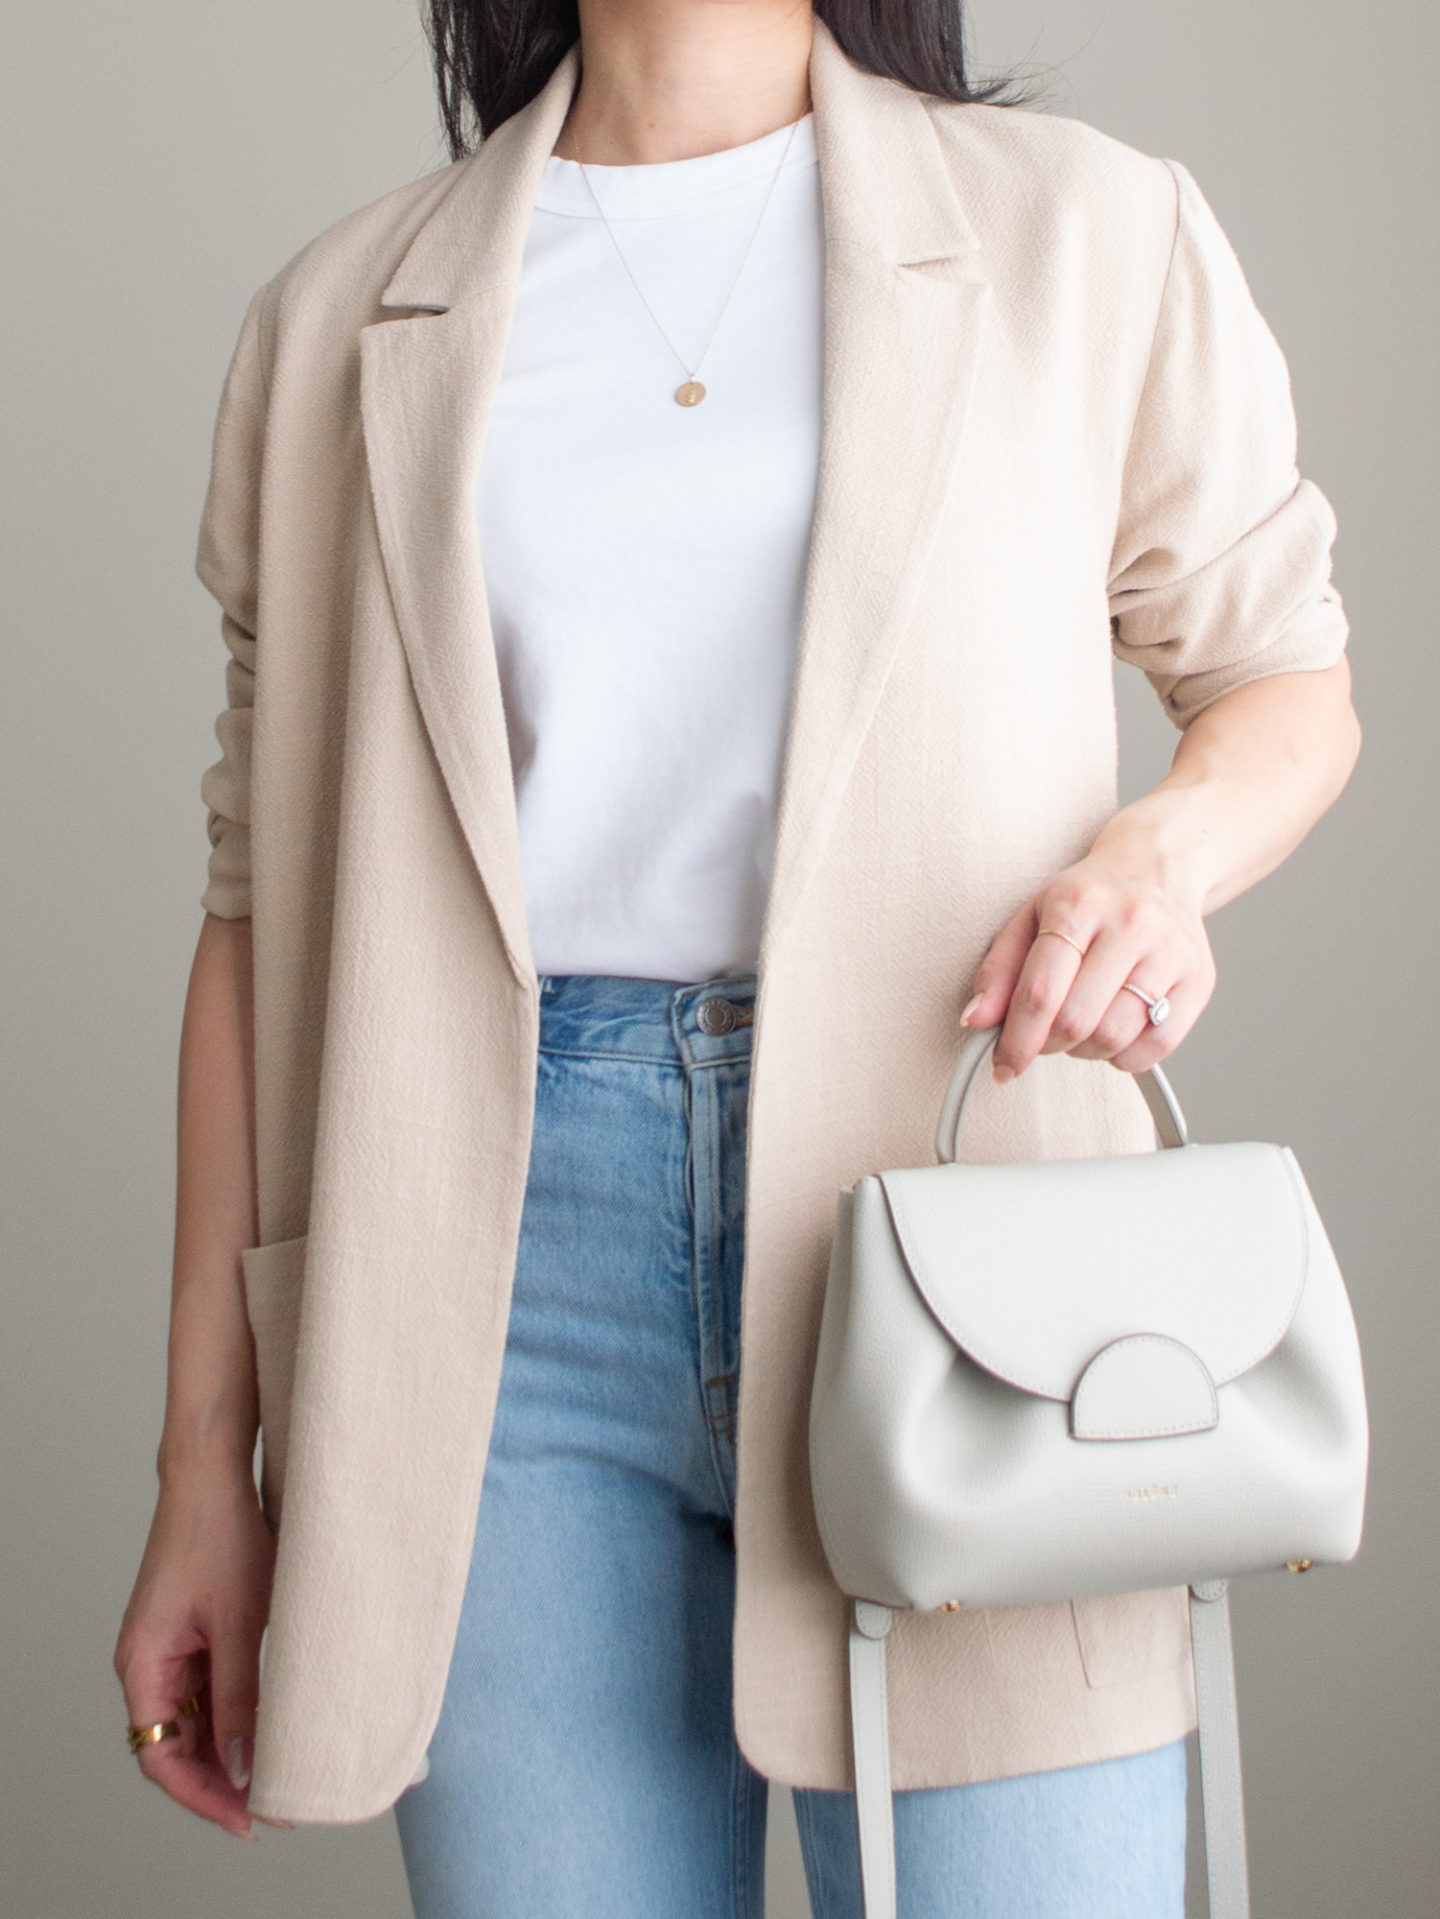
(193, 1628)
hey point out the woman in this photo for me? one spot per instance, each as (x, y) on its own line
(782, 707)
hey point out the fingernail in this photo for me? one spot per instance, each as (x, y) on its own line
(968, 1014)
(280, 1825)
(1003, 1074)
(238, 1763)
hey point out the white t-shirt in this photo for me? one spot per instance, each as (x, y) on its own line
(645, 562)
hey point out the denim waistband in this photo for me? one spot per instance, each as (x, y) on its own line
(682, 1023)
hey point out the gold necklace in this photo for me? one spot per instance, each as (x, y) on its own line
(690, 392)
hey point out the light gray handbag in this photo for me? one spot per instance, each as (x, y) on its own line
(1048, 1380)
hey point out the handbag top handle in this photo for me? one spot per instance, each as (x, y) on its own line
(1170, 1127)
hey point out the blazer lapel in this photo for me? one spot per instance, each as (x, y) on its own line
(905, 306)
(427, 385)
(905, 302)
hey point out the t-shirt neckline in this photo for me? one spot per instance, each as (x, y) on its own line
(653, 189)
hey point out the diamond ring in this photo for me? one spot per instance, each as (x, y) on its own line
(1157, 1011)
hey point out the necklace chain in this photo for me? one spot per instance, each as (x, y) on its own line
(692, 386)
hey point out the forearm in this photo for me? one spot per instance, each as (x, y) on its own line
(211, 1410)
(1251, 776)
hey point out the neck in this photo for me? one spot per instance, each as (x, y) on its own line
(672, 79)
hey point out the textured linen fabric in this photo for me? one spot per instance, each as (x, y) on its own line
(645, 562)
(1048, 402)
(584, 1765)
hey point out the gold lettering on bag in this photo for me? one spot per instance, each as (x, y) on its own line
(1146, 1495)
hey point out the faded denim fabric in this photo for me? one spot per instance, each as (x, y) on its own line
(584, 1765)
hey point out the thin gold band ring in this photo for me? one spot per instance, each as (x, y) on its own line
(1055, 933)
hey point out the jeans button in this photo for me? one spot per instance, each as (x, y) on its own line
(717, 1017)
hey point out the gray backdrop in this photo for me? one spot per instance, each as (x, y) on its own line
(162, 159)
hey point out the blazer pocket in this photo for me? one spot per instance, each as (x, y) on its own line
(274, 1278)
(1125, 1636)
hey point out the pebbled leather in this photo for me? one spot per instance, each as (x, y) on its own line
(1144, 1387)
(1220, 1777)
(870, 1744)
(942, 1458)
(1055, 1380)
(1209, 1246)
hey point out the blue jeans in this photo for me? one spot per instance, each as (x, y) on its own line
(584, 1765)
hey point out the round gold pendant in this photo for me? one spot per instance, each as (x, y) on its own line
(691, 394)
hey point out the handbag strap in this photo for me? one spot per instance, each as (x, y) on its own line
(1226, 1873)
(1158, 1093)
(1220, 1781)
(870, 1742)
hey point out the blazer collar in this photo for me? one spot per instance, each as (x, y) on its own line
(887, 192)
(905, 300)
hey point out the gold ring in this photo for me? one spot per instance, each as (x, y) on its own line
(1055, 933)
(138, 1737)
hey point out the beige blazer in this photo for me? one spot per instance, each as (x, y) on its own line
(1054, 425)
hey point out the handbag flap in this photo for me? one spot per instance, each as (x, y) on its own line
(1033, 1268)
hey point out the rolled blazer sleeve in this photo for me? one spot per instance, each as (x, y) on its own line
(227, 563)
(1220, 572)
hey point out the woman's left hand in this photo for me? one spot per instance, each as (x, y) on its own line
(1252, 773)
(1056, 996)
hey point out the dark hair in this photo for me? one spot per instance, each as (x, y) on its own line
(493, 56)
